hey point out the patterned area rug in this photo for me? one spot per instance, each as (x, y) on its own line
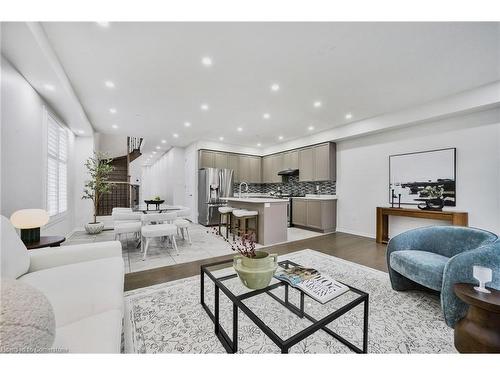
(168, 318)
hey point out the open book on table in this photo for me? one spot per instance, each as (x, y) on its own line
(320, 287)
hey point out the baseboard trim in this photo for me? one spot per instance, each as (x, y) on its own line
(356, 233)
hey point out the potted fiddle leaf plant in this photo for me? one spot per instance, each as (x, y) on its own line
(255, 268)
(99, 168)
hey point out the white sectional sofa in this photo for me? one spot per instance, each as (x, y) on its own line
(84, 284)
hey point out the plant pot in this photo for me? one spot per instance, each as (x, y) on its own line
(256, 273)
(94, 228)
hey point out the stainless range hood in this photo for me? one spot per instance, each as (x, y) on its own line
(288, 172)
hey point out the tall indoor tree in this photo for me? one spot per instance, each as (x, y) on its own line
(99, 168)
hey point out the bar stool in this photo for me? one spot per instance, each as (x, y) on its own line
(225, 214)
(245, 216)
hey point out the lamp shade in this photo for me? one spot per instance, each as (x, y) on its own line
(29, 218)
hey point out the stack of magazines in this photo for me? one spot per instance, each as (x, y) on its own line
(310, 281)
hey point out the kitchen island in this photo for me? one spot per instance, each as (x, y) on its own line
(272, 220)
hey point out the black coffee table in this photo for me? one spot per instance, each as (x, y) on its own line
(323, 314)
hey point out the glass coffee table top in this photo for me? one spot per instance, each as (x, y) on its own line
(285, 314)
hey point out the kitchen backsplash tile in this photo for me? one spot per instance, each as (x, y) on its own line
(292, 186)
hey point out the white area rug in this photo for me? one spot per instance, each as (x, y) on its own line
(168, 318)
(205, 245)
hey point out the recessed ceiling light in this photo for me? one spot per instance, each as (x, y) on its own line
(175, 135)
(112, 110)
(109, 84)
(266, 116)
(280, 137)
(114, 126)
(275, 87)
(187, 124)
(158, 147)
(240, 129)
(49, 87)
(259, 144)
(163, 141)
(81, 132)
(317, 104)
(310, 127)
(348, 116)
(207, 61)
(103, 24)
(221, 138)
(154, 152)
(204, 107)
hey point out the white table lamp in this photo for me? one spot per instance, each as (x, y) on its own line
(483, 275)
(30, 221)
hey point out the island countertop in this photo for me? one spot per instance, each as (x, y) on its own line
(255, 200)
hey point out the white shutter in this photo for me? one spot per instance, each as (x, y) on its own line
(57, 154)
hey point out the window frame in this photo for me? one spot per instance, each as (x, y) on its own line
(48, 118)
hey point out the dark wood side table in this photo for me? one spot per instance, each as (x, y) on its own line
(479, 330)
(46, 241)
(383, 213)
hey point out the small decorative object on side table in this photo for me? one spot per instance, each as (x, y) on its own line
(46, 241)
(479, 330)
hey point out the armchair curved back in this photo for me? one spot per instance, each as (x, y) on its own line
(444, 240)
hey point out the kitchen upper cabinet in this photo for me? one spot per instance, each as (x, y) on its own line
(317, 163)
(255, 169)
(267, 168)
(244, 168)
(221, 160)
(291, 159)
(233, 162)
(276, 166)
(206, 159)
(306, 164)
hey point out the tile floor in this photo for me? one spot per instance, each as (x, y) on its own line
(205, 244)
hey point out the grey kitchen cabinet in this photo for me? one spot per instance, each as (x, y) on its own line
(255, 164)
(221, 160)
(315, 214)
(306, 164)
(267, 167)
(299, 212)
(233, 161)
(291, 159)
(277, 165)
(206, 159)
(317, 163)
(244, 168)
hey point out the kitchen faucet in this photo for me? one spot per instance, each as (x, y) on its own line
(245, 189)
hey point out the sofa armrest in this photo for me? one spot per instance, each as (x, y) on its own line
(58, 256)
(459, 270)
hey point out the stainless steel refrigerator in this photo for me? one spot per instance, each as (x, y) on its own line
(213, 184)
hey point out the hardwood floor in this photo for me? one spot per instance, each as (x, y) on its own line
(361, 250)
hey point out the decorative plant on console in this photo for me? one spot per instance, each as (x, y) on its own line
(255, 268)
(433, 196)
(99, 168)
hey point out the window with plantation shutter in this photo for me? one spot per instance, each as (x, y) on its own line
(57, 153)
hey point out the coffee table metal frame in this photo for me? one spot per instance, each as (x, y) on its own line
(231, 345)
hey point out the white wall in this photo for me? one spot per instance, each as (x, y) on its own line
(363, 171)
(191, 180)
(113, 145)
(165, 178)
(23, 153)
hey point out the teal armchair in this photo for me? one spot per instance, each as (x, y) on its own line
(437, 257)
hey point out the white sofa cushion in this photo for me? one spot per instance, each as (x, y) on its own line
(14, 255)
(82, 289)
(99, 333)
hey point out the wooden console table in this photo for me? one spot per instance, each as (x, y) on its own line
(383, 213)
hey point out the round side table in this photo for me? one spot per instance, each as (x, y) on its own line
(46, 241)
(479, 330)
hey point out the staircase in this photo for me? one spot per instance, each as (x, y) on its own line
(122, 194)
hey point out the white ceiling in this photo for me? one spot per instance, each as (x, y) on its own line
(366, 69)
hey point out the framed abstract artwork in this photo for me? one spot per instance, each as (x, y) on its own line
(413, 174)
